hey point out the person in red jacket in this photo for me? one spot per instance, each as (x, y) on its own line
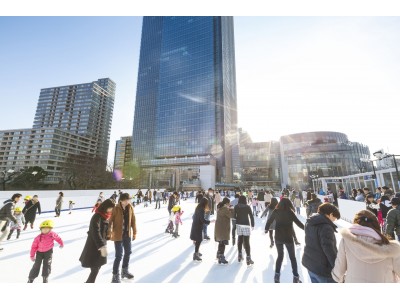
(42, 250)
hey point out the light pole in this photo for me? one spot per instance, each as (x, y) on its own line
(373, 168)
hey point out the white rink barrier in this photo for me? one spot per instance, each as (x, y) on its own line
(47, 199)
(348, 208)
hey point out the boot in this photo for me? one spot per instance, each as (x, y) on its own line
(18, 233)
(222, 260)
(240, 257)
(218, 254)
(26, 225)
(249, 261)
(116, 278)
(9, 236)
(125, 273)
(196, 256)
(233, 241)
(45, 279)
(31, 226)
(277, 278)
(30, 280)
(272, 244)
(296, 279)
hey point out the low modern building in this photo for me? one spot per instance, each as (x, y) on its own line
(309, 155)
(45, 147)
(260, 164)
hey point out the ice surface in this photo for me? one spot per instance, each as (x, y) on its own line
(156, 256)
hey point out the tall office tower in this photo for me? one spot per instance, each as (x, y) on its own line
(84, 109)
(185, 106)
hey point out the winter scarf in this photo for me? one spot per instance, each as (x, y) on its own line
(364, 231)
(105, 216)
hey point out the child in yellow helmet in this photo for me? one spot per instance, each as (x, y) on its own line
(176, 210)
(18, 224)
(42, 250)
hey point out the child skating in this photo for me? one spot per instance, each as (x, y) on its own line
(42, 250)
(177, 213)
(71, 206)
(17, 225)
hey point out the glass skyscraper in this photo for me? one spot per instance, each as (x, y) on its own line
(186, 93)
(83, 109)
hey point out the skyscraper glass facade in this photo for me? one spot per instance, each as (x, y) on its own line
(85, 109)
(186, 90)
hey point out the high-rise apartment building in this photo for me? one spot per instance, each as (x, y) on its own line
(185, 110)
(83, 109)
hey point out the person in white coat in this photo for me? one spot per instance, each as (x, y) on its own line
(365, 255)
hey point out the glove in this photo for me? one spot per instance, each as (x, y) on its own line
(32, 258)
(103, 251)
(133, 237)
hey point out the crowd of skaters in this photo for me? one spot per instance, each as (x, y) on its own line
(368, 250)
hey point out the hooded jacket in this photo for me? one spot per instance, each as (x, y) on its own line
(393, 221)
(320, 245)
(45, 242)
(361, 260)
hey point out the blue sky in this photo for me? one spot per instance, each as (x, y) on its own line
(294, 74)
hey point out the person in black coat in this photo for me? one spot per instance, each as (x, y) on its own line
(284, 216)
(244, 216)
(30, 209)
(94, 253)
(320, 250)
(196, 232)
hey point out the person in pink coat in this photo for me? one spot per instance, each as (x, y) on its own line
(42, 250)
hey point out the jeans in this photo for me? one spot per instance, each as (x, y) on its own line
(157, 203)
(46, 257)
(320, 279)
(292, 256)
(254, 210)
(57, 211)
(124, 246)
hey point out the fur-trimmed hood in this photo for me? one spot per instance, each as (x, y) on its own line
(366, 248)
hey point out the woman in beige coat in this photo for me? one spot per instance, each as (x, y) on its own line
(365, 255)
(222, 229)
